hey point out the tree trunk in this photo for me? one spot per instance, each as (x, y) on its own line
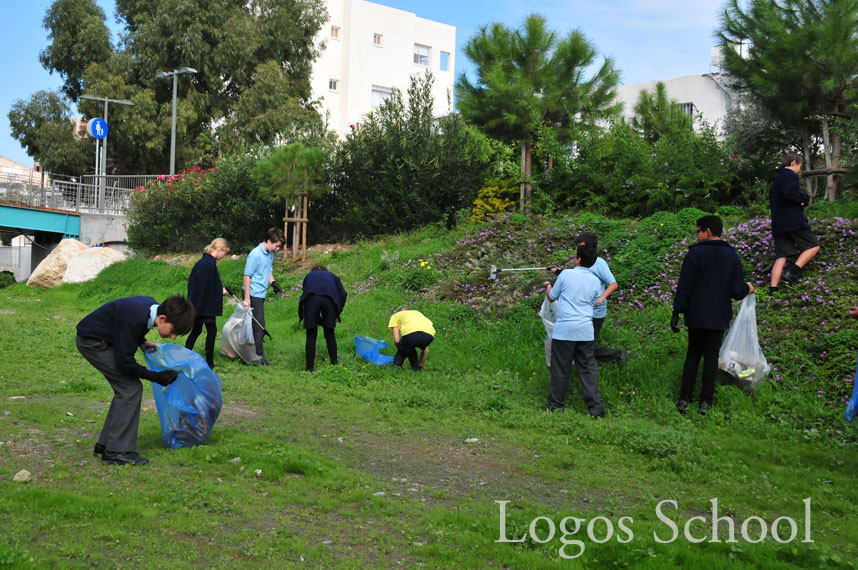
(528, 171)
(830, 190)
(523, 176)
(805, 143)
(837, 143)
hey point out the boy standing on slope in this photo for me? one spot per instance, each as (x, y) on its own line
(257, 277)
(575, 292)
(711, 275)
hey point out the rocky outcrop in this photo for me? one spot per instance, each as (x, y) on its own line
(51, 270)
(89, 263)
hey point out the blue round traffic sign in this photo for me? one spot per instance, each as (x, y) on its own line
(97, 128)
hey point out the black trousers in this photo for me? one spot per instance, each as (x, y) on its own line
(407, 348)
(562, 354)
(211, 333)
(257, 305)
(706, 344)
(310, 346)
(123, 418)
(603, 353)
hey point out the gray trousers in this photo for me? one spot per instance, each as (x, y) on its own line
(562, 354)
(603, 353)
(120, 427)
(257, 305)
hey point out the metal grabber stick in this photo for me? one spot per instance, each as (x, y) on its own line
(493, 272)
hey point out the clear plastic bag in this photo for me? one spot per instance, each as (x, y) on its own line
(741, 355)
(189, 407)
(852, 407)
(369, 349)
(237, 336)
(548, 312)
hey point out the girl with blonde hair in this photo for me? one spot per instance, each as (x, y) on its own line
(205, 292)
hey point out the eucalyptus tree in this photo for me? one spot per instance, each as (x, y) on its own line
(43, 126)
(252, 86)
(530, 78)
(799, 59)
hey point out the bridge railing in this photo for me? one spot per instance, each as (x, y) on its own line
(70, 195)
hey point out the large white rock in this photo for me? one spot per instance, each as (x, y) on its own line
(50, 271)
(89, 263)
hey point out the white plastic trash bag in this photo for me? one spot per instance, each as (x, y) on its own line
(237, 336)
(741, 355)
(548, 312)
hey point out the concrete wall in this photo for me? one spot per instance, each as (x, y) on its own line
(357, 62)
(709, 94)
(101, 228)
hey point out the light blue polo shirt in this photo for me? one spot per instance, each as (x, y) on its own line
(575, 291)
(259, 265)
(601, 270)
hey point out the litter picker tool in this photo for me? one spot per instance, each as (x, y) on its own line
(240, 302)
(493, 272)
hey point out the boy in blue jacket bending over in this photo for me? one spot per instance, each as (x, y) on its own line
(108, 337)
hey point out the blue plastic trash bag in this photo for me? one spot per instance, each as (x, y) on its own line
(852, 407)
(369, 349)
(189, 407)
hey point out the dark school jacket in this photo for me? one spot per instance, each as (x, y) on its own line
(322, 283)
(787, 203)
(205, 289)
(711, 275)
(123, 324)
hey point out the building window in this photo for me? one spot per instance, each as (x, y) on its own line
(421, 54)
(335, 32)
(687, 108)
(380, 95)
(445, 61)
(377, 40)
(333, 84)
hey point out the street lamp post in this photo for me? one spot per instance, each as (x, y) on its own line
(103, 170)
(175, 74)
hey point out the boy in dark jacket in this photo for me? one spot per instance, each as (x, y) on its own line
(791, 231)
(108, 337)
(711, 275)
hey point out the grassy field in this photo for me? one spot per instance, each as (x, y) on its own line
(357, 466)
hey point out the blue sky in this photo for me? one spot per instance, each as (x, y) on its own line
(648, 39)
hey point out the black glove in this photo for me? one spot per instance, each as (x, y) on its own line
(674, 322)
(229, 291)
(165, 377)
(276, 287)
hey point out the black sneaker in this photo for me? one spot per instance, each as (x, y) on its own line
(703, 408)
(792, 273)
(123, 458)
(98, 450)
(682, 406)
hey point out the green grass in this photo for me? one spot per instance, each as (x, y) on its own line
(328, 444)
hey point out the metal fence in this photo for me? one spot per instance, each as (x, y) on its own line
(70, 195)
(10, 257)
(117, 181)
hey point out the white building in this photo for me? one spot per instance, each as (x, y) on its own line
(370, 50)
(707, 96)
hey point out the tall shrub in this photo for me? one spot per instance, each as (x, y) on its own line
(184, 212)
(400, 169)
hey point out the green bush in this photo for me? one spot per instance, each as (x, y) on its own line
(617, 172)
(401, 169)
(7, 278)
(186, 211)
